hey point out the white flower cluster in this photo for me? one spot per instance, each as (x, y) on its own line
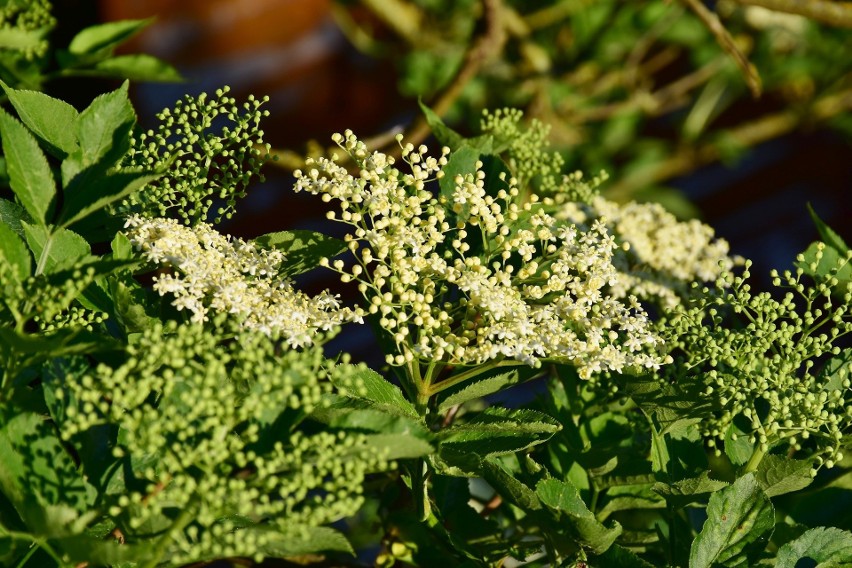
(662, 256)
(473, 276)
(224, 275)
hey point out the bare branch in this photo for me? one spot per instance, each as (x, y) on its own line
(832, 13)
(723, 37)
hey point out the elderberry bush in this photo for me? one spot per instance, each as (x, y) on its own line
(169, 396)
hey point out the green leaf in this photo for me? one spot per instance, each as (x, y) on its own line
(105, 36)
(497, 431)
(398, 446)
(461, 162)
(11, 214)
(738, 448)
(29, 172)
(618, 557)
(564, 498)
(829, 259)
(55, 249)
(85, 196)
(365, 384)
(507, 485)
(52, 120)
(686, 491)
(303, 249)
(14, 251)
(478, 389)
(740, 519)
(827, 546)
(302, 540)
(778, 475)
(629, 498)
(827, 234)
(138, 67)
(445, 135)
(38, 476)
(360, 414)
(104, 128)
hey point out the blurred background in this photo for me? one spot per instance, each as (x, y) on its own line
(642, 89)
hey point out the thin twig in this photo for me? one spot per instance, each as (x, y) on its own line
(833, 13)
(723, 37)
(485, 48)
(749, 134)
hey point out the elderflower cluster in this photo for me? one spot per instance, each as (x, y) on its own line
(472, 276)
(202, 165)
(771, 368)
(198, 417)
(661, 256)
(214, 273)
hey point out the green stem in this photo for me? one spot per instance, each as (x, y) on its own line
(33, 547)
(162, 544)
(420, 489)
(470, 373)
(755, 459)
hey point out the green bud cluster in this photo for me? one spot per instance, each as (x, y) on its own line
(45, 299)
(203, 163)
(73, 317)
(775, 363)
(32, 21)
(199, 415)
(526, 149)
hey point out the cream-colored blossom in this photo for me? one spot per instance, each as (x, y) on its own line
(214, 273)
(472, 276)
(661, 256)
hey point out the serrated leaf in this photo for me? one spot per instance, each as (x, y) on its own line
(85, 196)
(686, 491)
(476, 389)
(740, 519)
(29, 172)
(444, 134)
(828, 235)
(497, 431)
(738, 448)
(299, 541)
(52, 120)
(361, 414)
(836, 371)
(105, 36)
(827, 546)
(399, 446)
(508, 486)
(302, 249)
(575, 516)
(778, 475)
(629, 498)
(103, 129)
(366, 384)
(11, 214)
(14, 251)
(138, 67)
(38, 476)
(55, 249)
